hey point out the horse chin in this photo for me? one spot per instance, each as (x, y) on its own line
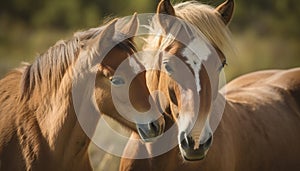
(149, 140)
(193, 159)
(193, 155)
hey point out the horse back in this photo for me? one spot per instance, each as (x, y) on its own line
(265, 106)
(286, 80)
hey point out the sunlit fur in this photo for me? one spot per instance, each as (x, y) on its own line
(260, 126)
(208, 23)
(38, 125)
(202, 16)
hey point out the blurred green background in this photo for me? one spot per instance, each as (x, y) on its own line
(265, 32)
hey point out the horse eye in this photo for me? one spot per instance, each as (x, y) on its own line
(117, 81)
(168, 68)
(224, 63)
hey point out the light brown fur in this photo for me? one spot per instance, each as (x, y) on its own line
(38, 125)
(259, 129)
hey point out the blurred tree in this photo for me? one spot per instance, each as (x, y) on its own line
(21, 21)
(266, 32)
(68, 14)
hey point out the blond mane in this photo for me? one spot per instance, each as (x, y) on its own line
(47, 71)
(45, 74)
(207, 21)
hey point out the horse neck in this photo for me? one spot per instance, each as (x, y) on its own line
(65, 140)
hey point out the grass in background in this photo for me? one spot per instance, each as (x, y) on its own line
(265, 33)
(256, 52)
(20, 44)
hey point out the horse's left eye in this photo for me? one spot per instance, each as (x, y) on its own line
(117, 81)
(168, 68)
(224, 63)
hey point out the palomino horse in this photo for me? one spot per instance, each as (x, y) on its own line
(260, 126)
(38, 123)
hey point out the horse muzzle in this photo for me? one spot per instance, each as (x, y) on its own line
(188, 149)
(151, 131)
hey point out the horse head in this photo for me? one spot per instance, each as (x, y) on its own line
(120, 85)
(191, 63)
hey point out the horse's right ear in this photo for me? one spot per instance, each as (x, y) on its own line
(165, 9)
(226, 11)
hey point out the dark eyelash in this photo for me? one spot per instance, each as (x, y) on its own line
(224, 63)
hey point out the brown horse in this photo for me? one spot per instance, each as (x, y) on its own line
(39, 127)
(260, 126)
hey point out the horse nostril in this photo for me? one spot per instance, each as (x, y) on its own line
(207, 143)
(183, 141)
(154, 126)
(189, 150)
(141, 132)
(186, 141)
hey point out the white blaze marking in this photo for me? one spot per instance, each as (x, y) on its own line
(134, 65)
(187, 112)
(196, 52)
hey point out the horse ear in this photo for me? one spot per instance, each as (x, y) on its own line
(165, 7)
(130, 28)
(103, 41)
(226, 11)
(109, 30)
